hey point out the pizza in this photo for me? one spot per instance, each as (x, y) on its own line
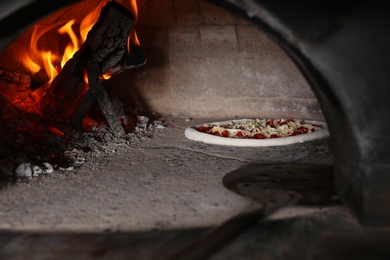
(259, 128)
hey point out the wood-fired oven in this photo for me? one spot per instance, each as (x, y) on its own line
(277, 59)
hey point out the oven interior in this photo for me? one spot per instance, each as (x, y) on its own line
(154, 193)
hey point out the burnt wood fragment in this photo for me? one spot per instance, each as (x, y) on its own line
(14, 77)
(69, 97)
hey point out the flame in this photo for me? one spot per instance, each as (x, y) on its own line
(133, 38)
(40, 60)
(37, 59)
(89, 20)
(133, 8)
(106, 76)
(30, 59)
(85, 75)
(72, 47)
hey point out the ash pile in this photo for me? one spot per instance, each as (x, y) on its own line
(25, 154)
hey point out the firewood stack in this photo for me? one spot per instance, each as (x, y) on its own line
(70, 97)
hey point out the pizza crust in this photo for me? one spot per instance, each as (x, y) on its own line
(195, 135)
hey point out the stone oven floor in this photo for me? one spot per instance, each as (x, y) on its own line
(148, 196)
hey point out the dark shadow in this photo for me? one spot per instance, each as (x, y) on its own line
(306, 184)
(6, 181)
(322, 236)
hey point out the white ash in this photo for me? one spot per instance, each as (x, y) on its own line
(29, 170)
(142, 122)
(47, 168)
(36, 170)
(158, 124)
(68, 169)
(24, 170)
(84, 146)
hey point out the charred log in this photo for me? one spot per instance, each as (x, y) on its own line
(14, 77)
(70, 97)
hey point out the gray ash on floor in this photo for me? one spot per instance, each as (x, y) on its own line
(25, 155)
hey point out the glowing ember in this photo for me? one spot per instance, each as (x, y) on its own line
(52, 46)
(67, 54)
(56, 131)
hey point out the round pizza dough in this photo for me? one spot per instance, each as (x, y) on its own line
(195, 135)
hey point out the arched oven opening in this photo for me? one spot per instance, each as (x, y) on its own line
(172, 62)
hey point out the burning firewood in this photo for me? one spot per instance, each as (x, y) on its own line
(78, 86)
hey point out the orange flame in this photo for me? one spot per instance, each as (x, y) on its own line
(134, 10)
(72, 47)
(52, 59)
(34, 53)
(36, 59)
(89, 21)
(85, 75)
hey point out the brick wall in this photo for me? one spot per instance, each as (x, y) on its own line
(205, 62)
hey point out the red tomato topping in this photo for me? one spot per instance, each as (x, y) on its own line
(204, 129)
(239, 134)
(225, 133)
(216, 133)
(295, 133)
(270, 122)
(303, 130)
(259, 136)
